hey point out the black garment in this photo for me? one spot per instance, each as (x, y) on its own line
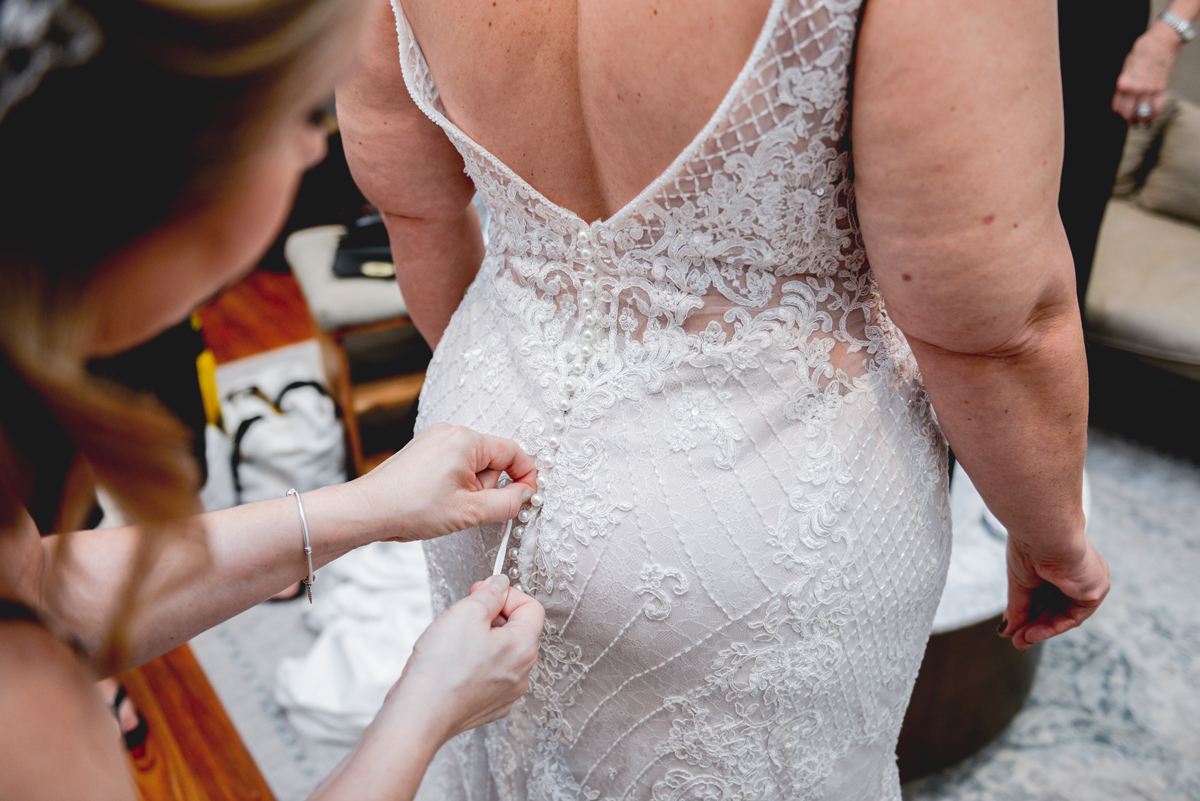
(1094, 36)
(11, 610)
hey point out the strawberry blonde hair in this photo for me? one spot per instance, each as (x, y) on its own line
(96, 156)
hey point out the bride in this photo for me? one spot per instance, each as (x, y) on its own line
(722, 317)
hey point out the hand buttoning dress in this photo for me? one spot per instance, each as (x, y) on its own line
(743, 530)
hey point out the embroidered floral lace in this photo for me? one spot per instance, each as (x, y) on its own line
(742, 529)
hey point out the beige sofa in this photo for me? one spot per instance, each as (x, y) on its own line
(1144, 296)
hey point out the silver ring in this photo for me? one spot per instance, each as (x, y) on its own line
(1145, 110)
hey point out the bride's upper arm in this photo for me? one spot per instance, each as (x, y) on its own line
(400, 159)
(957, 142)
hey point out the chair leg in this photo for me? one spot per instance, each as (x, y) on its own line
(337, 371)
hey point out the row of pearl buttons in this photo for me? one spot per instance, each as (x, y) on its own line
(571, 384)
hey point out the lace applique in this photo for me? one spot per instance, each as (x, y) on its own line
(658, 606)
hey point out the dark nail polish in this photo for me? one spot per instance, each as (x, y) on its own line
(1003, 625)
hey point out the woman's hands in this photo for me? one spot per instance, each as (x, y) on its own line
(472, 663)
(1050, 594)
(443, 481)
(468, 668)
(1143, 79)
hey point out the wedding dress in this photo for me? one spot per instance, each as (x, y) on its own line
(743, 528)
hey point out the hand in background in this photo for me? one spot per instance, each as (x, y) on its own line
(1050, 595)
(472, 663)
(1143, 79)
(443, 481)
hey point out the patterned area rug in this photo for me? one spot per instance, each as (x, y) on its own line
(1114, 713)
(1115, 710)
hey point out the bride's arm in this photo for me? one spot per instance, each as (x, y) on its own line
(406, 166)
(957, 139)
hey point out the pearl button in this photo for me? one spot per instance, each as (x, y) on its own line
(560, 423)
(537, 500)
(589, 270)
(513, 573)
(541, 482)
(589, 319)
(525, 515)
(549, 460)
(588, 335)
(585, 304)
(820, 191)
(518, 532)
(585, 237)
(513, 553)
(588, 285)
(586, 351)
(579, 368)
(564, 405)
(586, 254)
(518, 588)
(553, 442)
(570, 385)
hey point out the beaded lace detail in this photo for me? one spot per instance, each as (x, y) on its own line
(741, 529)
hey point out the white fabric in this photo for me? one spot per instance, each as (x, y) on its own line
(374, 604)
(299, 445)
(744, 528)
(218, 491)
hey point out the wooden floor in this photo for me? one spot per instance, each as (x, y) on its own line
(263, 312)
(192, 751)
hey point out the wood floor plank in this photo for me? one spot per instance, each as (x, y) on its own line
(192, 751)
(263, 311)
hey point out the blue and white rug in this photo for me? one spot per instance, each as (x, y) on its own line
(1115, 710)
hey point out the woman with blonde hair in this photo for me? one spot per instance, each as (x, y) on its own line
(149, 151)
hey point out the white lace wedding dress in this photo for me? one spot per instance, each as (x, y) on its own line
(744, 529)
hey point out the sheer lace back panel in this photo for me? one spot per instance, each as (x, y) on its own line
(742, 530)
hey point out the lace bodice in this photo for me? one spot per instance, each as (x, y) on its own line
(741, 530)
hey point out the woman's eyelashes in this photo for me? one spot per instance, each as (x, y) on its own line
(323, 116)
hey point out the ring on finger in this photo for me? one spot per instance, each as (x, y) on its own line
(1145, 110)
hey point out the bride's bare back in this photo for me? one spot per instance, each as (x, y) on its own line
(587, 100)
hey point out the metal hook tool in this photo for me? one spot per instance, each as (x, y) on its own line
(503, 548)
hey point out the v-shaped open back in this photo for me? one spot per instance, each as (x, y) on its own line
(420, 83)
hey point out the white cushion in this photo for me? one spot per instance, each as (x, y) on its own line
(1144, 295)
(338, 302)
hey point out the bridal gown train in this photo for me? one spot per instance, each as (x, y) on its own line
(743, 530)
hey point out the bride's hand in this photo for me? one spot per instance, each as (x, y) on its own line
(443, 481)
(1050, 594)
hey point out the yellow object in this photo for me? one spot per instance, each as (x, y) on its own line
(206, 369)
(378, 269)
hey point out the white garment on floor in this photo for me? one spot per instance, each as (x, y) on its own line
(371, 606)
(745, 525)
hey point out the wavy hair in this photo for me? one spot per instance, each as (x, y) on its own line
(96, 156)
